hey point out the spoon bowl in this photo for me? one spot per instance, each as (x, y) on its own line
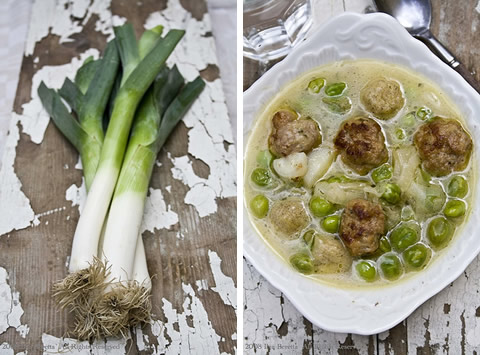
(416, 16)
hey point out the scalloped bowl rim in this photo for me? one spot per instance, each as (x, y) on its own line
(363, 311)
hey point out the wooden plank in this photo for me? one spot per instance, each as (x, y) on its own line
(444, 324)
(193, 261)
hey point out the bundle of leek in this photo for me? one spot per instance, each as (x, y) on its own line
(109, 286)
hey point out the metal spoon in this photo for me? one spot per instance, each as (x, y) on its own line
(415, 16)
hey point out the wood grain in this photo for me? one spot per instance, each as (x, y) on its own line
(446, 324)
(35, 257)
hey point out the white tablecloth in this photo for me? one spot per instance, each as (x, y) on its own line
(14, 21)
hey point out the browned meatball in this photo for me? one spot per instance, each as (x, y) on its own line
(382, 97)
(361, 226)
(443, 146)
(361, 144)
(289, 216)
(292, 135)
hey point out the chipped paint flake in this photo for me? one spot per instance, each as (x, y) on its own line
(77, 195)
(477, 9)
(224, 285)
(11, 310)
(266, 310)
(208, 118)
(157, 214)
(202, 285)
(17, 213)
(200, 338)
(63, 18)
(36, 219)
(68, 346)
(461, 322)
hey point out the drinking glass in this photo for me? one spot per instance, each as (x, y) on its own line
(272, 27)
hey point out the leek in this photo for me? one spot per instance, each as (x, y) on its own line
(87, 234)
(108, 300)
(122, 306)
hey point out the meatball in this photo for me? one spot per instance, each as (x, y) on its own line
(361, 226)
(382, 97)
(330, 256)
(292, 135)
(443, 146)
(289, 216)
(361, 144)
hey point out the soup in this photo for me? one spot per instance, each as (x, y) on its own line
(359, 173)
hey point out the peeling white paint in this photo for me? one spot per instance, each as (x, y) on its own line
(200, 338)
(180, 235)
(15, 207)
(157, 214)
(36, 219)
(6, 349)
(208, 118)
(266, 310)
(201, 285)
(477, 9)
(77, 195)
(224, 285)
(11, 310)
(452, 312)
(200, 195)
(62, 18)
(68, 346)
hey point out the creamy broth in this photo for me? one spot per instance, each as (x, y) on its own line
(399, 130)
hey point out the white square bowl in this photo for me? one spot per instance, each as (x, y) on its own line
(364, 310)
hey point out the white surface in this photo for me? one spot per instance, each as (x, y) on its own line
(363, 311)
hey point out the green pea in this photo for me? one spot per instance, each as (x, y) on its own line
(454, 208)
(264, 158)
(416, 256)
(384, 245)
(408, 120)
(391, 267)
(331, 223)
(366, 270)
(261, 177)
(424, 113)
(302, 262)
(316, 85)
(259, 206)
(400, 134)
(458, 187)
(439, 231)
(392, 193)
(335, 89)
(383, 172)
(338, 104)
(309, 237)
(320, 207)
(403, 237)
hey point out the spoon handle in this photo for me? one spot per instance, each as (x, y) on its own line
(439, 49)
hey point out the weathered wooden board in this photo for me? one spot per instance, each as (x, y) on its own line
(190, 223)
(449, 323)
